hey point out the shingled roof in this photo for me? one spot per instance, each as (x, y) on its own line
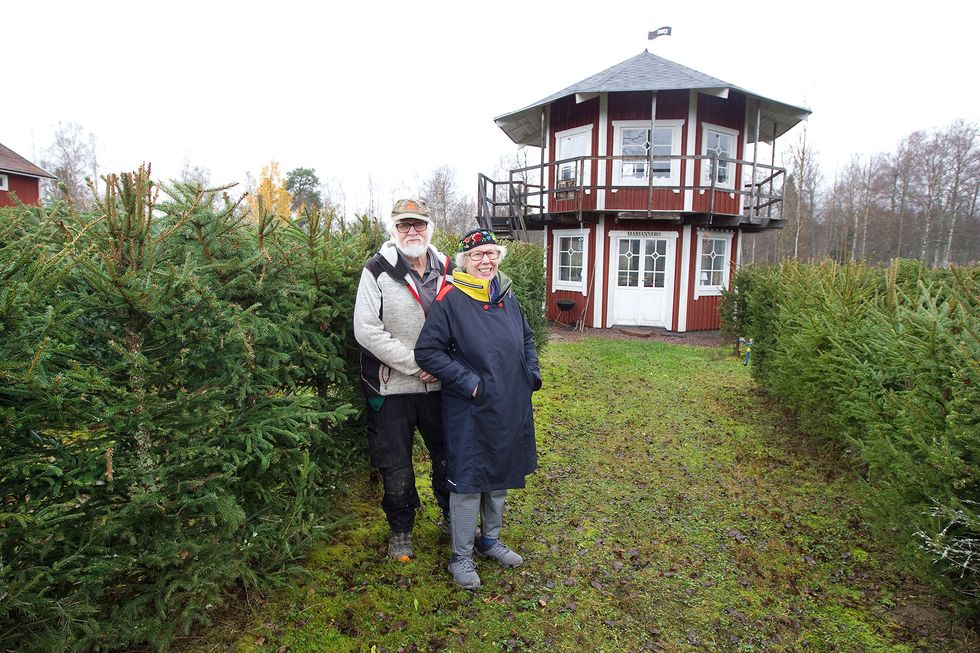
(14, 163)
(648, 72)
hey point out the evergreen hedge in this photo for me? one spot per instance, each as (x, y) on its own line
(178, 397)
(886, 362)
(177, 392)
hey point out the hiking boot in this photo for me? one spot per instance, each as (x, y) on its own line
(464, 572)
(400, 547)
(501, 553)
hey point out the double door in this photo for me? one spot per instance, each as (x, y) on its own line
(642, 288)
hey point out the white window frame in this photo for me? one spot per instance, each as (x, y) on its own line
(706, 164)
(675, 149)
(713, 290)
(586, 169)
(4, 182)
(556, 283)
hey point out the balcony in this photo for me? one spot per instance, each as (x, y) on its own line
(524, 203)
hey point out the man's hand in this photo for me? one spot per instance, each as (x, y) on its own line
(425, 377)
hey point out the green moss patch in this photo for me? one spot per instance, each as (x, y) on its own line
(674, 509)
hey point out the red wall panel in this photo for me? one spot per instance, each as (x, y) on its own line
(583, 301)
(728, 113)
(567, 114)
(671, 105)
(27, 190)
(702, 313)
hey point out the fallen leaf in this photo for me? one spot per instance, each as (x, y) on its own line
(739, 537)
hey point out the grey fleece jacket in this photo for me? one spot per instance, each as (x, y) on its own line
(387, 320)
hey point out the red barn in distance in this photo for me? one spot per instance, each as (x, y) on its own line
(649, 175)
(19, 177)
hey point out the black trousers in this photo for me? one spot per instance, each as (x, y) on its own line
(391, 432)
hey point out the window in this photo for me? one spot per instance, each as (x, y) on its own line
(631, 138)
(569, 259)
(4, 183)
(573, 143)
(719, 142)
(648, 269)
(629, 262)
(714, 256)
(655, 268)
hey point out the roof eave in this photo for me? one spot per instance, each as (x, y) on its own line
(9, 171)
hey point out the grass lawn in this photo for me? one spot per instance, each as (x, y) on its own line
(674, 509)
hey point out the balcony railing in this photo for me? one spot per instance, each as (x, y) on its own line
(523, 197)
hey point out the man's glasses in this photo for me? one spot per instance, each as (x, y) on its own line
(492, 254)
(405, 227)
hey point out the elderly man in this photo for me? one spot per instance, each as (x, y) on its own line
(397, 287)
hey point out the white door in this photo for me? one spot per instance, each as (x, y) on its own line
(642, 289)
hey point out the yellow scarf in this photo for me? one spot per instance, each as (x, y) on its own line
(478, 289)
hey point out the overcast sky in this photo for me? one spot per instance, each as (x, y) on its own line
(395, 90)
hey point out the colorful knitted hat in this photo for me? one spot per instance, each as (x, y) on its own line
(475, 238)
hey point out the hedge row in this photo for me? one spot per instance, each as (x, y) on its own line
(886, 362)
(178, 398)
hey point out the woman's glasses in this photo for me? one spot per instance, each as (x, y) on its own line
(405, 227)
(492, 254)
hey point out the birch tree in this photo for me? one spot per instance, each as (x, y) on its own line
(71, 158)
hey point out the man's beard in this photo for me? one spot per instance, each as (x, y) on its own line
(414, 250)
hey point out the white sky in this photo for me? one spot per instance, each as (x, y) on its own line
(396, 89)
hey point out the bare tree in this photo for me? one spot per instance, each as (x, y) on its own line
(374, 204)
(935, 171)
(804, 175)
(71, 158)
(866, 201)
(964, 158)
(904, 169)
(195, 175)
(450, 211)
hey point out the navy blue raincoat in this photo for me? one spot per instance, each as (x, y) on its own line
(472, 340)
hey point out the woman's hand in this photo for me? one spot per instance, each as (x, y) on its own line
(425, 377)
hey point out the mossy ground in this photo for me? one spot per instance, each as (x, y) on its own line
(674, 509)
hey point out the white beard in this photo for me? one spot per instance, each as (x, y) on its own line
(414, 251)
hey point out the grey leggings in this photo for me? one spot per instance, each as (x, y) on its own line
(463, 511)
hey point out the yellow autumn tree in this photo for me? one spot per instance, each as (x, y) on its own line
(270, 201)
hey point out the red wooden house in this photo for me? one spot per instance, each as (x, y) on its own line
(649, 175)
(19, 177)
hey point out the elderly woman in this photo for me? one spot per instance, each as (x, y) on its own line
(477, 342)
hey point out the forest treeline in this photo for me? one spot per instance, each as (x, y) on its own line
(918, 201)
